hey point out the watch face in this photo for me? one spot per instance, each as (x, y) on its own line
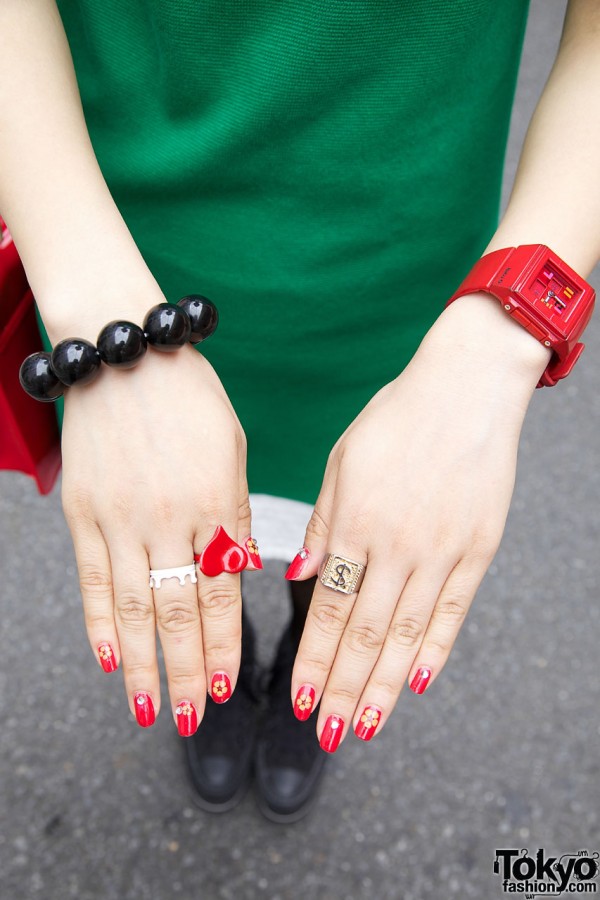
(555, 291)
(556, 294)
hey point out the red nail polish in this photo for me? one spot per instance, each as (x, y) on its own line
(421, 680)
(368, 722)
(187, 718)
(220, 687)
(304, 702)
(144, 709)
(253, 555)
(297, 564)
(107, 657)
(332, 734)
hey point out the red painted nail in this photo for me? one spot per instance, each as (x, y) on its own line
(253, 555)
(187, 718)
(421, 680)
(144, 709)
(297, 564)
(332, 733)
(220, 687)
(305, 702)
(368, 722)
(107, 657)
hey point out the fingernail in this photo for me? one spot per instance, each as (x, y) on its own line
(297, 564)
(368, 722)
(253, 554)
(304, 702)
(332, 734)
(107, 657)
(187, 718)
(220, 687)
(144, 709)
(421, 680)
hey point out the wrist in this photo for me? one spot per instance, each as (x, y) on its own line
(475, 329)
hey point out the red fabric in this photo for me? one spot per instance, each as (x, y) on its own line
(29, 438)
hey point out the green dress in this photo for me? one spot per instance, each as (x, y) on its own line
(325, 170)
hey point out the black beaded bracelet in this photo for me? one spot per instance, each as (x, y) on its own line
(121, 344)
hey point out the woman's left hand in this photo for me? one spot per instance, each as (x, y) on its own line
(417, 489)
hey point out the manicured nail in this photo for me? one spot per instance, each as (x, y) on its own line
(368, 722)
(332, 734)
(304, 702)
(253, 554)
(297, 564)
(107, 657)
(144, 709)
(187, 718)
(220, 687)
(421, 680)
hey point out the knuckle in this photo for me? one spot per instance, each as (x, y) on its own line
(215, 598)
(94, 582)
(385, 685)
(77, 503)
(164, 510)
(140, 672)
(317, 526)
(133, 609)
(176, 616)
(244, 509)
(453, 609)
(98, 621)
(328, 616)
(440, 643)
(341, 696)
(406, 632)
(316, 664)
(363, 638)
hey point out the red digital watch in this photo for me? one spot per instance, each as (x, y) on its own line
(541, 292)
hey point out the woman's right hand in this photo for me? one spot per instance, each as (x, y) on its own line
(154, 459)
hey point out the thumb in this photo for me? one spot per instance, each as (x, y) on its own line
(308, 559)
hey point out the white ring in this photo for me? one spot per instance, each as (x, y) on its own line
(157, 575)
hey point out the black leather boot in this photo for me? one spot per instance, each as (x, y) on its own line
(220, 754)
(288, 760)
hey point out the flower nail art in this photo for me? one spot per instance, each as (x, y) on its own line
(107, 657)
(187, 718)
(253, 554)
(368, 722)
(220, 688)
(304, 703)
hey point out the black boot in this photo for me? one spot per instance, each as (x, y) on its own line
(288, 760)
(219, 755)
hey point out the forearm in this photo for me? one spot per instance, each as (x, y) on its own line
(555, 198)
(81, 261)
(556, 195)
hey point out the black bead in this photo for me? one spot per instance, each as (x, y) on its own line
(75, 360)
(203, 316)
(167, 327)
(121, 344)
(39, 379)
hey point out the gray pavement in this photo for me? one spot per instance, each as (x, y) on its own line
(504, 751)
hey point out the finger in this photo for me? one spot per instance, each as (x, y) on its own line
(402, 643)
(326, 622)
(449, 613)
(219, 597)
(244, 532)
(308, 558)
(134, 617)
(359, 648)
(96, 583)
(179, 630)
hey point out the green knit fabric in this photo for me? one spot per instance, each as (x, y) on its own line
(325, 170)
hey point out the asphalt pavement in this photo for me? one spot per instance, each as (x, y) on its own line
(503, 752)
